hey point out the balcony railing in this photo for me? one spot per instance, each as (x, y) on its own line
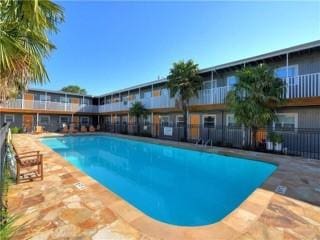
(150, 103)
(302, 86)
(49, 106)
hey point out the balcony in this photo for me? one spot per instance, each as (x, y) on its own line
(149, 103)
(48, 106)
(302, 86)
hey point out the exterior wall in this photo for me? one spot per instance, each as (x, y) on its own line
(17, 119)
(308, 117)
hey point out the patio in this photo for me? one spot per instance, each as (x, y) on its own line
(55, 208)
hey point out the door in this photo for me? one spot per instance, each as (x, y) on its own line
(27, 122)
(28, 101)
(75, 104)
(195, 126)
(156, 125)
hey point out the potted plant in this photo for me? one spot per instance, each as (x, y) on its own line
(275, 142)
(278, 142)
(269, 142)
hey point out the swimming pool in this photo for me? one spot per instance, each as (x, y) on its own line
(173, 185)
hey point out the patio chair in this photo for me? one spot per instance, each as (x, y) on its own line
(33, 163)
(98, 127)
(92, 129)
(72, 128)
(64, 128)
(83, 129)
(39, 130)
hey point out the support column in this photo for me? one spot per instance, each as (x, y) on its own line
(152, 96)
(22, 101)
(45, 103)
(82, 108)
(37, 119)
(65, 102)
(152, 131)
(287, 75)
(212, 87)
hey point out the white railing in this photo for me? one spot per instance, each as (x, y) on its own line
(149, 103)
(48, 105)
(301, 86)
(211, 96)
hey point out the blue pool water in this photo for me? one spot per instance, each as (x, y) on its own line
(172, 185)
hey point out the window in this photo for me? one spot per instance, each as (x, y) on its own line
(8, 118)
(231, 121)
(146, 95)
(231, 81)
(209, 121)
(286, 121)
(179, 121)
(63, 99)
(164, 121)
(85, 101)
(207, 85)
(84, 120)
(124, 120)
(282, 71)
(64, 119)
(44, 119)
(147, 120)
(164, 92)
(42, 98)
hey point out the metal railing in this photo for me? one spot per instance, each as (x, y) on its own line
(48, 105)
(297, 142)
(3, 153)
(302, 86)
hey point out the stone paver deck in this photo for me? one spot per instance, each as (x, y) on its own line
(55, 209)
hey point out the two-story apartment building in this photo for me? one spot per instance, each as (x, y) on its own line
(298, 66)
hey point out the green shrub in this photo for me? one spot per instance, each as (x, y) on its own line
(275, 137)
(16, 130)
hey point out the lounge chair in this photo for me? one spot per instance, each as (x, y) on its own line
(33, 162)
(39, 130)
(83, 129)
(72, 128)
(64, 128)
(92, 129)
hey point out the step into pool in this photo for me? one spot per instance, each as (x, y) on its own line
(173, 185)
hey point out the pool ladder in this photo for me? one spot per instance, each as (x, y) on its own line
(203, 142)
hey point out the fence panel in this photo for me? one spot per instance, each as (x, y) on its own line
(297, 142)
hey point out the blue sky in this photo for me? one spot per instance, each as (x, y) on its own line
(105, 46)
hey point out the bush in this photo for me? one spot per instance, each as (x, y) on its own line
(275, 137)
(16, 130)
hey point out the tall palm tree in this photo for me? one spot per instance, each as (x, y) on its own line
(255, 97)
(184, 82)
(24, 42)
(138, 110)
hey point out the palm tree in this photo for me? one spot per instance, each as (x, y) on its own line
(255, 97)
(24, 43)
(184, 82)
(137, 109)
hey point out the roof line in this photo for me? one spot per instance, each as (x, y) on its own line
(288, 50)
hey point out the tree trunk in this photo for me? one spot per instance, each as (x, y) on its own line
(185, 122)
(138, 125)
(254, 137)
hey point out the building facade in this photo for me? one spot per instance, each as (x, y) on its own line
(298, 66)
